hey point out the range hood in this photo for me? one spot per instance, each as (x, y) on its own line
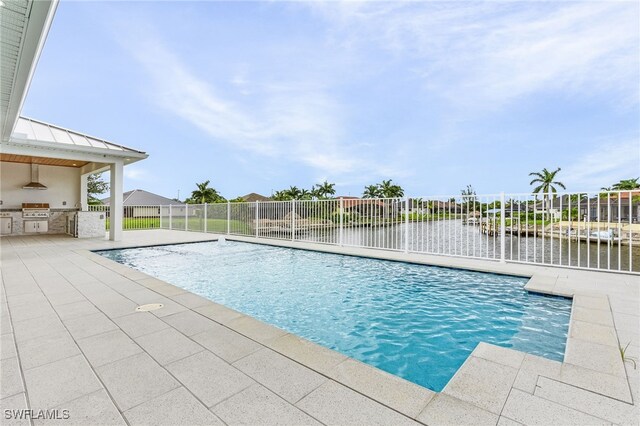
(34, 184)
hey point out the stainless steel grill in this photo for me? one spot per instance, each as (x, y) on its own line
(35, 211)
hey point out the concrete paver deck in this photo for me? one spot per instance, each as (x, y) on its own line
(71, 340)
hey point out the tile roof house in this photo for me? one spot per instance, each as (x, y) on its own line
(364, 206)
(253, 197)
(140, 197)
(141, 203)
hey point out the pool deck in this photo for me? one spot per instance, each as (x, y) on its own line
(71, 340)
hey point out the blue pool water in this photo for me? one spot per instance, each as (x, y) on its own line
(415, 321)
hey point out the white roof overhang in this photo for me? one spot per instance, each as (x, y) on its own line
(24, 25)
(39, 139)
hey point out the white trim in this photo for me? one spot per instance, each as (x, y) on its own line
(84, 194)
(40, 17)
(80, 153)
(116, 205)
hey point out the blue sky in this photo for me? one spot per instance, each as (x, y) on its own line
(257, 96)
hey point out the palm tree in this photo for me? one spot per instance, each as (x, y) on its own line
(315, 192)
(304, 195)
(371, 191)
(293, 192)
(385, 188)
(390, 190)
(626, 185)
(546, 182)
(545, 179)
(280, 196)
(324, 189)
(205, 194)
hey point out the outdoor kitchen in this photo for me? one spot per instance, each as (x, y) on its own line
(44, 168)
(31, 207)
(38, 218)
(43, 181)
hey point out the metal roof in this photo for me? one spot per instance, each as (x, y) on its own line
(29, 129)
(24, 25)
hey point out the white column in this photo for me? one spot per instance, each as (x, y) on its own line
(115, 203)
(84, 195)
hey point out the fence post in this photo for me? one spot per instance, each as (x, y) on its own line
(293, 220)
(406, 224)
(257, 217)
(170, 216)
(186, 216)
(503, 231)
(160, 216)
(341, 212)
(205, 217)
(228, 217)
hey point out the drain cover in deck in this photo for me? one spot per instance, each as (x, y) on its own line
(149, 307)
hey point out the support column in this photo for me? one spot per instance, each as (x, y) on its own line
(115, 202)
(84, 194)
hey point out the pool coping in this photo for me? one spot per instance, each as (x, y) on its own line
(577, 371)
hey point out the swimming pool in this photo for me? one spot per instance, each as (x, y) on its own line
(418, 322)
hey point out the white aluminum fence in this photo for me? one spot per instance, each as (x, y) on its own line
(581, 230)
(134, 217)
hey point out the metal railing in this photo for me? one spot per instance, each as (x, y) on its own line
(133, 217)
(581, 230)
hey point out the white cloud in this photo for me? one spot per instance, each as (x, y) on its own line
(485, 54)
(603, 166)
(295, 121)
(478, 56)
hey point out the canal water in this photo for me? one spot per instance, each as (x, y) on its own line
(452, 237)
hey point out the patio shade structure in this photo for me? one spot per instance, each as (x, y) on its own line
(24, 25)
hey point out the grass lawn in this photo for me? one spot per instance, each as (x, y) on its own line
(194, 224)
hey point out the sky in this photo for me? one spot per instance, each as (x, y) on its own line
(259, 96)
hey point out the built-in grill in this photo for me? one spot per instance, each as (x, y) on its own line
(35, 210)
